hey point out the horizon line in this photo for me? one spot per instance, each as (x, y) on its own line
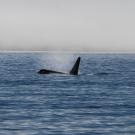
(82, 52)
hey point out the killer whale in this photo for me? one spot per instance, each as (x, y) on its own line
(73, 71)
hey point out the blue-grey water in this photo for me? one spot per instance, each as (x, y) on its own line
(100, 101)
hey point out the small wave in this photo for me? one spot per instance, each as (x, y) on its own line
(106, 73)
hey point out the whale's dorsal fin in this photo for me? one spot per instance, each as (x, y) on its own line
(75, 68)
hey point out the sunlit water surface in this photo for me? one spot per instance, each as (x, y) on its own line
(100, 101)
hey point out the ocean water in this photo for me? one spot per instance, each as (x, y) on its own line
(100, 101)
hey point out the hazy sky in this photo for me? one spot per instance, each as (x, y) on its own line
(84, 25)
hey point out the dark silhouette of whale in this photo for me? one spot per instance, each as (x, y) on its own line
(73, 71)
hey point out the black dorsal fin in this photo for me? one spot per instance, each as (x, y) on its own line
(75, 69)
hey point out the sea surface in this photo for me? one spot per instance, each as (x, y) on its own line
(99, 101)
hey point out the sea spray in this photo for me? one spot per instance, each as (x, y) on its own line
(58, 61)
